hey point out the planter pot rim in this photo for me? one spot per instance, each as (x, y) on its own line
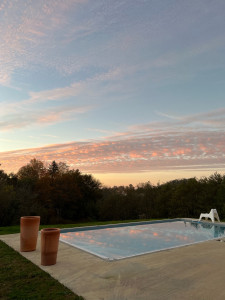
(30, 217)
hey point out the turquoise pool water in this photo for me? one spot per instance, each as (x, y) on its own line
(120, 241)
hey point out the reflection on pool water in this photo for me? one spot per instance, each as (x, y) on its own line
(126, 240)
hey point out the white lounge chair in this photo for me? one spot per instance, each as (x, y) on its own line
(213, 214)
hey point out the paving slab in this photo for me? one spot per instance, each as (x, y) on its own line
(192, 272)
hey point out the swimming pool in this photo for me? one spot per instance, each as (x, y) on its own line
(113, 242)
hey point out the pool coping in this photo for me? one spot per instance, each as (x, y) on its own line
(193, 272)
(84, 228)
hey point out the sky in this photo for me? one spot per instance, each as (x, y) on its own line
(127, 90)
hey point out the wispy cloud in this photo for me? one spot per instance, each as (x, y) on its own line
(213, 120)
(25, 118)
(40, 32)
(58, 104)
(75, 88)
(27, 32)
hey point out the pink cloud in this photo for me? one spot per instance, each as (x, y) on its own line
(149, 147)
(188, 150)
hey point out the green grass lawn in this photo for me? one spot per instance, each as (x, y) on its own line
(21, 279)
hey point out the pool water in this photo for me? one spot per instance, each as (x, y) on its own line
(120, 241)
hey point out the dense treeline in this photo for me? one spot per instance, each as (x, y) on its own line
(55, 193)
(61, 195)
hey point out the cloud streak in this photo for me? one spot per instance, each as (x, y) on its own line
(41, 117)
(60, 104)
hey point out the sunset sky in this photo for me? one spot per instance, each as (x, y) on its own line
(128, 90)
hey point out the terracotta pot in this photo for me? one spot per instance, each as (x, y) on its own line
(29, 227)
(49, 245)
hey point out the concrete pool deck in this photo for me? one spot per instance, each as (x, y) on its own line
(192, 272)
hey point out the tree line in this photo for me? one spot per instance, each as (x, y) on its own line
(61, 195)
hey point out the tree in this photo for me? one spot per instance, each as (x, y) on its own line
(3, 177)
(63, 167)
(34, 170)
(53, 169)
(8, 204)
